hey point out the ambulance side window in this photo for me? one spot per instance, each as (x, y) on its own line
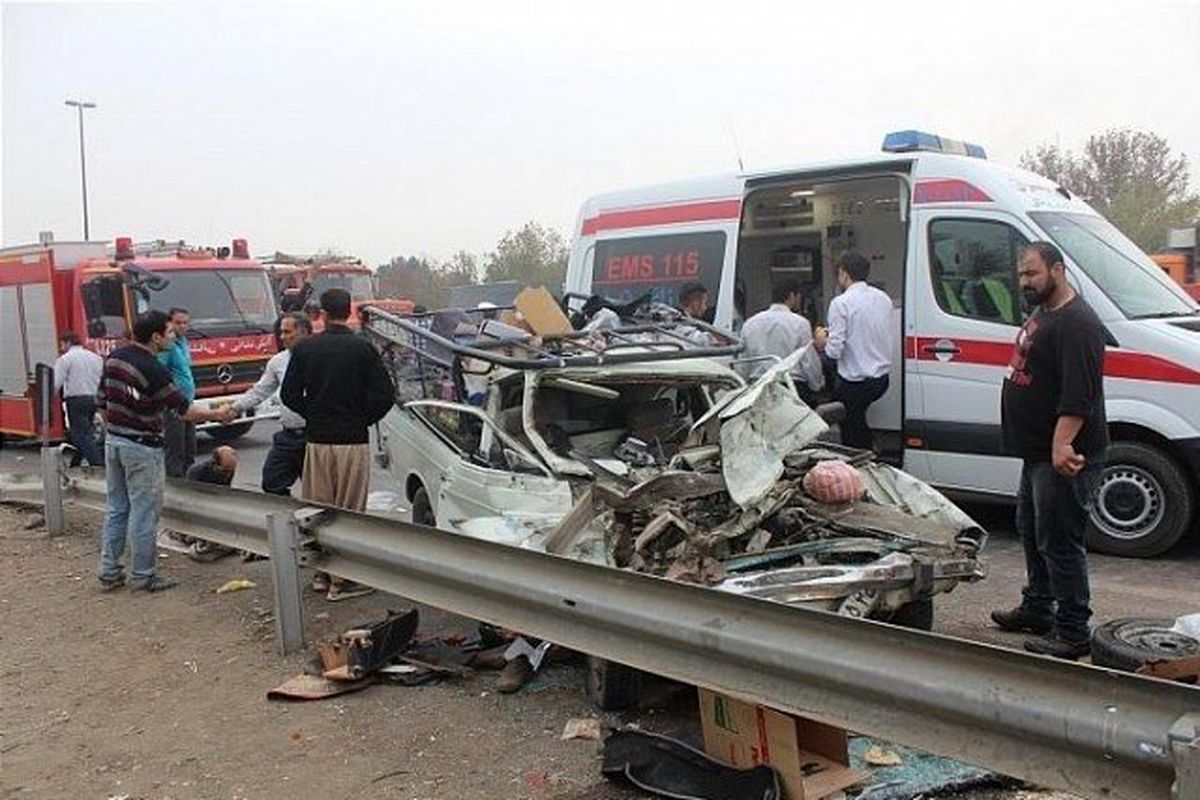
(973, 269)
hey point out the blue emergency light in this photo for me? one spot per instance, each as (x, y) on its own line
(914, 141)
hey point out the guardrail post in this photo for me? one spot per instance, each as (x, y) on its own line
(52, 494)
(1185, 747)
(283, 536)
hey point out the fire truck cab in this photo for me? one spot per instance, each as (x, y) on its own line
(299, 281)
(52, 287)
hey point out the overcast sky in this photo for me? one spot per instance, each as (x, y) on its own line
(424, 128)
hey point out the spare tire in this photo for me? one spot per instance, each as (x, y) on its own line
(1128, 643)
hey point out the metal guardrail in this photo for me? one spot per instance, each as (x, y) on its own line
(1095, 732)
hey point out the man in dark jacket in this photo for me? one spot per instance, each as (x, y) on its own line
(338, 383)
(1052, 410)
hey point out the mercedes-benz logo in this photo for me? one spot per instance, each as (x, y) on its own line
(224, 373)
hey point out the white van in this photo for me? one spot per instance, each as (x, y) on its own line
(941, 226)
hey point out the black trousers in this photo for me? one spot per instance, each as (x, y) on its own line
(1052, 514)
(179, 442)
(81, 411)
(285, 462)
(857, 396)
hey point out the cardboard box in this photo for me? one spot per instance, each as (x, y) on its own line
(541, 312)
(811, 757)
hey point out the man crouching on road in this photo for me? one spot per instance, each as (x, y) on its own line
(1052, 409)
(135, 390)
(337, 382)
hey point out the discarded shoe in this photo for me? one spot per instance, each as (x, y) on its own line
(516, 673)
(344, 590)
(1053, 645)
(1022, 620)
(491, 658)
(157, 583)
(207, 552)
(109, 584)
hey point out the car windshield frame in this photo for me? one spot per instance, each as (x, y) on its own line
(202, 290)
(1127, 277)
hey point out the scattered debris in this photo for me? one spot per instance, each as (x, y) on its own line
(876, 756)
(370, 647)
(315, 687)
(669, 768)
(236, 585)
(585, 728)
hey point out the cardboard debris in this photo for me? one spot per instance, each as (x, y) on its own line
(811, 758)
(540, 312)
(586, 728)
(315, 687)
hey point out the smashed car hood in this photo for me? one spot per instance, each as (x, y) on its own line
(759, 426)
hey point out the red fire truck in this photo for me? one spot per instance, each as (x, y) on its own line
(52, 287)
(290, 274)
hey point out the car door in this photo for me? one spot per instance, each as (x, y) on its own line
(482, 471)
(967, 312)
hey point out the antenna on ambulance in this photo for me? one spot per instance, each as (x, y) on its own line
(737, 148)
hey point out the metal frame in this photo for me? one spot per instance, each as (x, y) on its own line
(574, 349)
(1087, 730)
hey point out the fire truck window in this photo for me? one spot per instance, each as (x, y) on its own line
(625, 269)
(104, 303)
(973, 269)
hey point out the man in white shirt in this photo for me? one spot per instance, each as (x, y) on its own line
(860, 340)
(779, 331)
(285, 460)
(693, 304)
(77, 375)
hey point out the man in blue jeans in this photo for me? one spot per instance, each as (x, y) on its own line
(135, 390)
(1052, 409)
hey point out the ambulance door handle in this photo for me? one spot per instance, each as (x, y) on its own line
(943, 347)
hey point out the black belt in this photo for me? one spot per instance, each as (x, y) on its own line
(147, 440)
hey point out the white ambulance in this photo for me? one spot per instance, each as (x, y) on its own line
(941, 226)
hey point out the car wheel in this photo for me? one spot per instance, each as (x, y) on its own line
(228, 433)
(422, 510)
(611, 686)
(1127, 644)
(917, 615)
(1143, 505)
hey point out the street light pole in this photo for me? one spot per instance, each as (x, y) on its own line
(81, 105)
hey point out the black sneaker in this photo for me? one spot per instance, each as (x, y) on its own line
(157, 583)
(109, 584)
(1022, 620)
(1052, 645)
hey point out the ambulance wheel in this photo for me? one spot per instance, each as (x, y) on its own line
(422, 509)
(612, 686)
(228, 433)
(1143, 505)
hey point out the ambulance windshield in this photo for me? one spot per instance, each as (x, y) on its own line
(1137, 287)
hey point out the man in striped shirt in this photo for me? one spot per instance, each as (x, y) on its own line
(135, 390)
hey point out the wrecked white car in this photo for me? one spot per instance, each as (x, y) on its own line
(617, 450)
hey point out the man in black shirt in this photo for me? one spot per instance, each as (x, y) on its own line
(1052, 410)
(338, 383)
